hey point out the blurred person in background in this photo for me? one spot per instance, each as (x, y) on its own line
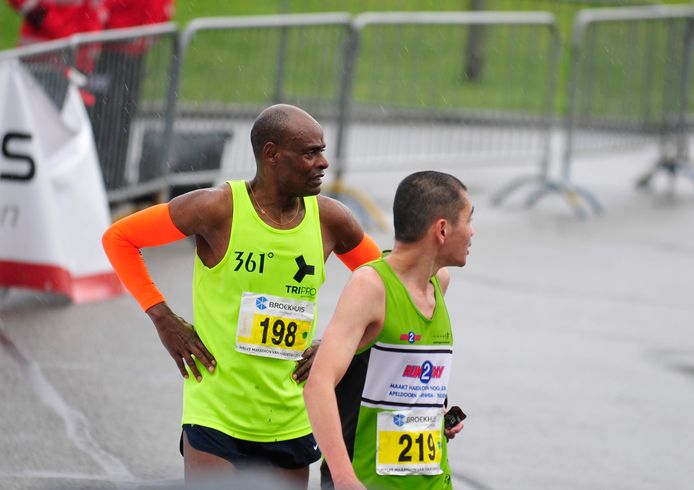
(48, 20)
(117, 81)
(114, 69)
(133, 13)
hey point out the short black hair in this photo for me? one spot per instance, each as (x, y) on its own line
(423, 197)
(270, 125)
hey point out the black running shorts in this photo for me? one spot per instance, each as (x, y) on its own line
(290, 454)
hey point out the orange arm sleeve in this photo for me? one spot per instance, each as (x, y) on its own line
(366, 251)
(122, 242)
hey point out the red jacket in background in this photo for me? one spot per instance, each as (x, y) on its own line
(47, 20)
(134, 13)
(131, 13)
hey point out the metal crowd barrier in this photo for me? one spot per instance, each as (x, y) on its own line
(124, 76)
(232, 68)
(49, 63)
(390, 90)
(557, 7)
(628, 85)
(129, 85)
(410, 104)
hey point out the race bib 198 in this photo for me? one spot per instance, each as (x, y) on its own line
(273, 326)
(409, 442)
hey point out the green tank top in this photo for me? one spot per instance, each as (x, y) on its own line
(255, 312)
(399, 440)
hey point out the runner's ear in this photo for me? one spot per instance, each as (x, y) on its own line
(270, 151)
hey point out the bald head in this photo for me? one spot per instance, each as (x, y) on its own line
(274, 124)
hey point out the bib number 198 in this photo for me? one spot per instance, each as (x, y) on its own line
(279, 332)
(273, 326)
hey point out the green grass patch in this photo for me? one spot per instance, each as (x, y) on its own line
(414, 67)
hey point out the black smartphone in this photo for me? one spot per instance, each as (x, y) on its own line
(453, 417)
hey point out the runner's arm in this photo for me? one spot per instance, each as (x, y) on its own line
(343, 235)
(359, 311)
(366, 251)
(201, 213)
(122, 242)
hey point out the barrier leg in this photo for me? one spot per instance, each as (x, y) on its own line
(671, 167)
(573, 195)
(588, 197)
(508, 189)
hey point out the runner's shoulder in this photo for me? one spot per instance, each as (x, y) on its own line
(333, 212)
(339, 221)
(209, 205)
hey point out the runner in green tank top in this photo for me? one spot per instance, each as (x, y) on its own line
(259, 262)
(377, 391)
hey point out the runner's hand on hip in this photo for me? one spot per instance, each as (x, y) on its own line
(181, 341)
(303, 366)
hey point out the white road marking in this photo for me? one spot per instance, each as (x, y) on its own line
(76, 424)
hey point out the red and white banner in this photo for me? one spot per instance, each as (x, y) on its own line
(53, 206)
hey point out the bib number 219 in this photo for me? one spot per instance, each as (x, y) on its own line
(415, 446)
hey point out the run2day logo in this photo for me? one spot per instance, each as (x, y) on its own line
(425, 372)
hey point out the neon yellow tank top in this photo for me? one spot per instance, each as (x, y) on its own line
(255, 312)
(399, 440)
